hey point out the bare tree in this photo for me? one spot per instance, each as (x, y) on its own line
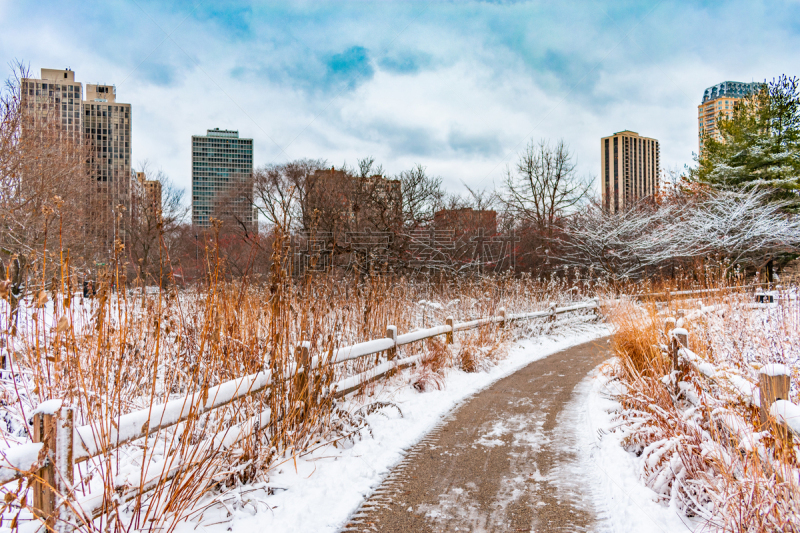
(153, 222)
(43, 179)
(281, 191)
(545, 186)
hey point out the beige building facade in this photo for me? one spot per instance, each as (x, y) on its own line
(718, 103)
(107, 129)
(56, 96)
(105, 126)
(630, 169)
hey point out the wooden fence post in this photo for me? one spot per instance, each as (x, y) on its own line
(391, 333)
(773, 384)
(449, 335)
(680, 339)
(552, 317)
(502, 314)
(669, 325)
(53, 488)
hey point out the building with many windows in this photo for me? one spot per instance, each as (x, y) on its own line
(718, 101)
(222, 178)
(56, 96)
(105, 126)
(107, 129)
(629, 166)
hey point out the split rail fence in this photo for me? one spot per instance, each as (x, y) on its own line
(59, 445)
(770, 394)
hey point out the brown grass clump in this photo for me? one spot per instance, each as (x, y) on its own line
(701, 443)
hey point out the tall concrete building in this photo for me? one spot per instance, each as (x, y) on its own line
(630, 169)
(56, 96)
(107, 129)
(720, 100)
(222, 177)
(105, 125)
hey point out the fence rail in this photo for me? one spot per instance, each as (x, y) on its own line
(59, 445)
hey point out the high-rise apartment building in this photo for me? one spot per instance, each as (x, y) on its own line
(107, 129)
(56, 96)
(629, 166)
(720, 100)
(222, 177)
(105, 125)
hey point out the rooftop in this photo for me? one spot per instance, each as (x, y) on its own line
(216, 132)
(732, 89)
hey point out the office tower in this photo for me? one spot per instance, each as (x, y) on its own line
(720, 99)
(104, 125)
(629, 167)
(107, 129)
(55, 97)
(222, 178)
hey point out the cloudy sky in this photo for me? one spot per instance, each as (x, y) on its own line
(459, 87)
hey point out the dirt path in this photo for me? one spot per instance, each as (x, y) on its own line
(500, 462)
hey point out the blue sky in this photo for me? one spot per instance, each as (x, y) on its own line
(458, 87)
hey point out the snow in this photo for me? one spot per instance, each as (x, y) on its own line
(361, 349)
(612, 473)
(414, 336)
(317, 492)
(49, 407)
(137, 424)
(787, 413)
(775, 369)
(18, 458)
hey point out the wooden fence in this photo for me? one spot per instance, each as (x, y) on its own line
(59, 445)
(770, 394)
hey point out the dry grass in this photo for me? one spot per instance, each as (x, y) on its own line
(703, 446)
(123, 351)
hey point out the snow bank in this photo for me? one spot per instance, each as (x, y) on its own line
(625, 504)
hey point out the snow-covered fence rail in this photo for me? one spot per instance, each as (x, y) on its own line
(770, 394)
(691, 293)
(59, 445)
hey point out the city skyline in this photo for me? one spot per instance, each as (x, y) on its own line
(343, 82)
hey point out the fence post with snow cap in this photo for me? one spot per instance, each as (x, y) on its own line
(53, 426)
(679, 339)
(502, 315)
(552, 316)
(391, 333)
(773, 384)
(669, 325)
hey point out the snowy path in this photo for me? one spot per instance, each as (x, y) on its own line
(507, 460)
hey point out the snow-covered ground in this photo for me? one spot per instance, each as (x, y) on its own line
(623, 503)
(318, 492)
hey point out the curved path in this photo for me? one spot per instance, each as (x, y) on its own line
(502, 461)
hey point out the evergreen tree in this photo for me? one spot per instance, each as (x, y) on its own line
(760, 144)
